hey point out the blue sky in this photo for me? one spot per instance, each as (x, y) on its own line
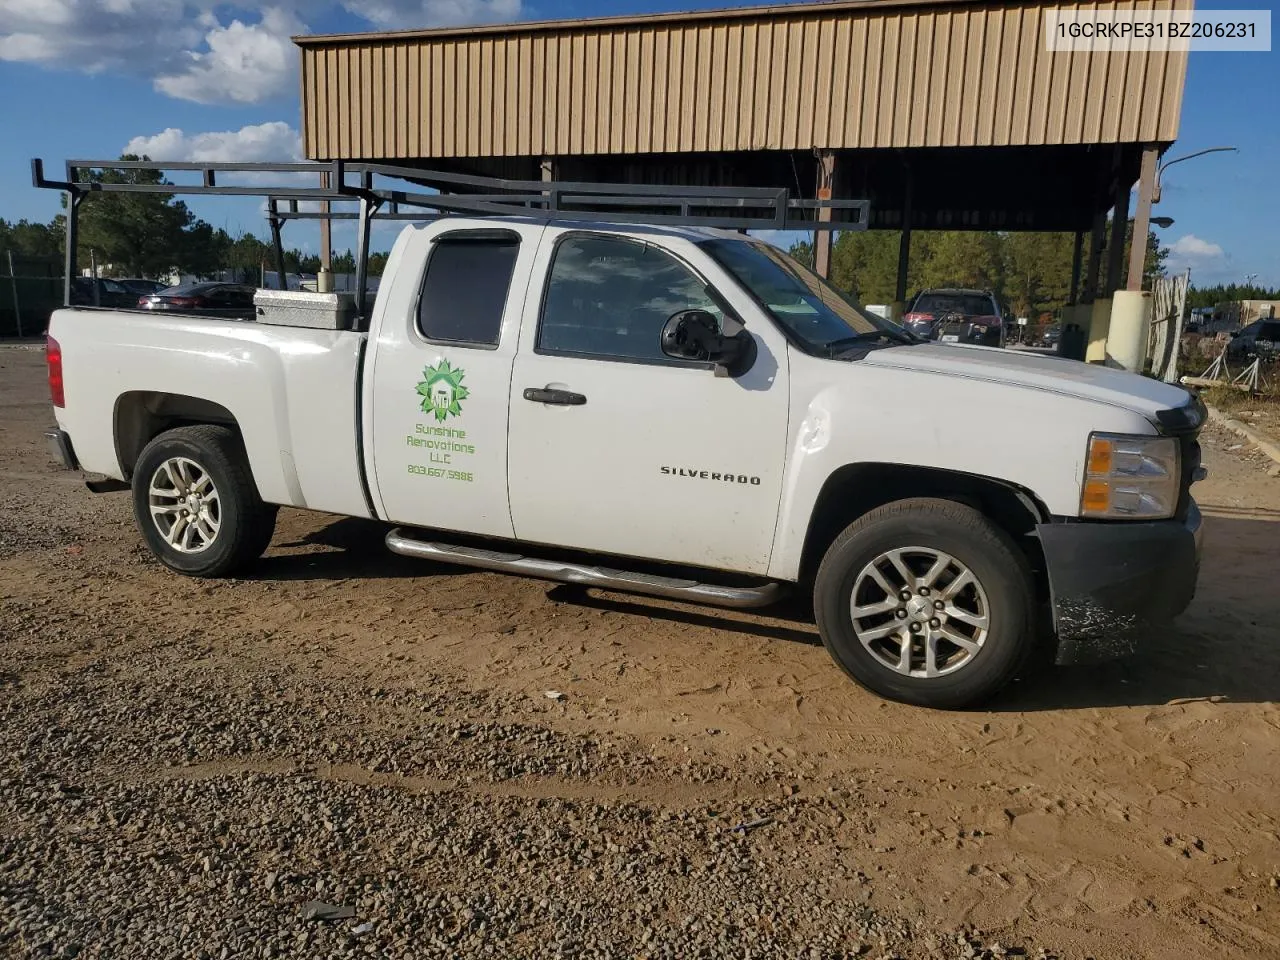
(196, 79)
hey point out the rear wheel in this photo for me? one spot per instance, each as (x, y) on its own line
(928, 602)
(196, 504)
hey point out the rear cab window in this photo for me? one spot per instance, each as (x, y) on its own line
(969, 305)
(464, 289)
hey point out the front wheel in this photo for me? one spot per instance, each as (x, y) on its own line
(927, 602)
(196, 504)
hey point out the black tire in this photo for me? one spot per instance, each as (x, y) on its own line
(973, 540)
(245, 522)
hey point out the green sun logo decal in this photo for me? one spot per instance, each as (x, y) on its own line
(442, 391)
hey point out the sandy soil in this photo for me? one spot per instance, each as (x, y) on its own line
(1125, 811)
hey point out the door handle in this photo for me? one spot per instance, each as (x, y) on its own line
(564, 398)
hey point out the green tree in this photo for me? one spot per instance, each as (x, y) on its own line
(956, 258)
(204, 250)
(1036, 272)
(27, 239)
(343, 262)
(295, 261)
(138, 234)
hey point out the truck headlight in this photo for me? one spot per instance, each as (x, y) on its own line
(1129, 477)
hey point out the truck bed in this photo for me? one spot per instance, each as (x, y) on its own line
(290, 390)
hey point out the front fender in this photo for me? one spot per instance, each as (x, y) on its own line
(846, 413)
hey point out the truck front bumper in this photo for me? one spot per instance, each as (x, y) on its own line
(61, 450)
(1113, 583)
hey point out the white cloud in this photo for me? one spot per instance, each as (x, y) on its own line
(411, 14)
(1206, 260)
(258, 142)
(244, 63)
(1191, 247)
(197, 49)
(95, 35)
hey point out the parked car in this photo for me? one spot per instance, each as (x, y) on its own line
(599, 401)
(141, 287)
(956, 316)
(230, 300)
(1259, 339)
(110, 293)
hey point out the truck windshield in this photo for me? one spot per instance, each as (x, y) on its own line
(815, 312)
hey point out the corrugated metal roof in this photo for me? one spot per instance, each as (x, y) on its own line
(843, 75)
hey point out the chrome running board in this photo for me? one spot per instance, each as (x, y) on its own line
(603, 577)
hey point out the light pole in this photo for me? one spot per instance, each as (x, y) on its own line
(1155, 194)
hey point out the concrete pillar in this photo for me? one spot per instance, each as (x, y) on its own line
(823, 191)
(1129, 330)
(1099, 327)
(1142, 218)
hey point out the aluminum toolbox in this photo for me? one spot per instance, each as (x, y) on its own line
(301, 308)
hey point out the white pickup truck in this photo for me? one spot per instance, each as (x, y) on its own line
(601, 403)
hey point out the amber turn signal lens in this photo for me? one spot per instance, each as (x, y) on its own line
(1097, 496)
(1100, 456)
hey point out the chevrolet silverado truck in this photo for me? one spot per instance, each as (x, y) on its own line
(682, 412)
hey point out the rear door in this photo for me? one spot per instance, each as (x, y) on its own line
(446, 332)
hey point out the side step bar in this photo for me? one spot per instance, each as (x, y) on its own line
(624, 580)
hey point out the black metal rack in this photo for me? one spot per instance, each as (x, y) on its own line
(730, 208)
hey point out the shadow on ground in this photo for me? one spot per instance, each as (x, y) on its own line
(792, 610)
(355, 549)
(1224, 649)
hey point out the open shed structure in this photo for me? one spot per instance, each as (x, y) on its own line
(943, 114)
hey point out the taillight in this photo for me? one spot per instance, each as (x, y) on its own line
(53, 355)
(186, 301)
(143, 301)
(918, 316)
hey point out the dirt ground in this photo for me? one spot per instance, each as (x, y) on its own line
(1131, 810)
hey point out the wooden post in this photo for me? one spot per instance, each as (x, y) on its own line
(1142, 219)
(326, 242)
(823, 191)
(1115, 244)
(13, 283)
(1093, 273)
(1077, 252)
(904, 250)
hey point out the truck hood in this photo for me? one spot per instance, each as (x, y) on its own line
(1087, 381)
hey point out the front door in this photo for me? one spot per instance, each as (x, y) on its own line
(617, 448)
(441, 373)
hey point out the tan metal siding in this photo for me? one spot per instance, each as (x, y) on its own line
(899, 76)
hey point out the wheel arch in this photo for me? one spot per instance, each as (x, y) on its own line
(142, 415)
(857, 488)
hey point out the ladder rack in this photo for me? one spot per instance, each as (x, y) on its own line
(418, 194)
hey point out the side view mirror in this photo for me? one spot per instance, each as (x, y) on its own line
(695, 335)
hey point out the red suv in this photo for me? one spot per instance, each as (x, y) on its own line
(956, 316)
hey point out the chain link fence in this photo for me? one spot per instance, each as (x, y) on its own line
(30, 290)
